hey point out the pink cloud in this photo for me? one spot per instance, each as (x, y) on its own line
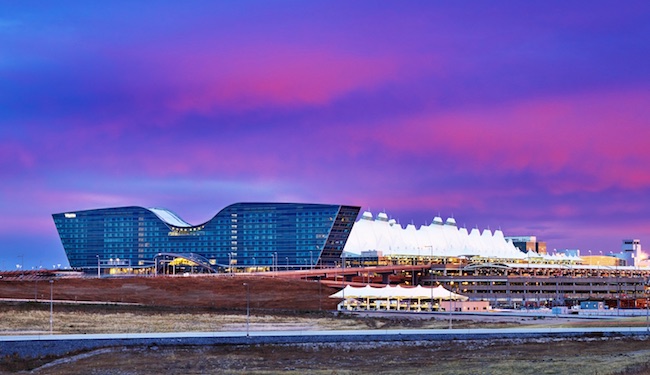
(263, 75)
(201, 158)
(400, 202)
(563, 210)
(600, 137)
(15, 156)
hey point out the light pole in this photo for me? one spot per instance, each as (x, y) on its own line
(248, 309)
(431, 276)
(254, 265)
(431, 299)
(51, 305)
(22, 260)
(525, 297)
(343, 274)
(319, 294)
(647, 308)
(287, 259)
(99, 275)
(311, 260)
(618, 290)
(451, 286)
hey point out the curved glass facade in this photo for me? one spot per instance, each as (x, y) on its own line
(267, 235)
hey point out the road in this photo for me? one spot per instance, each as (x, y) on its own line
(30, 346)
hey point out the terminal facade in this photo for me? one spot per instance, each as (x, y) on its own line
(327, 244)
(261, 236)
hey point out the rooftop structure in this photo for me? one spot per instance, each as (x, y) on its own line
(631, 252)
(528, 244)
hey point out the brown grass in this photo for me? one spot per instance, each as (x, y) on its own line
(32, 318)
(219, 304)
(531, 357)
(219, 292)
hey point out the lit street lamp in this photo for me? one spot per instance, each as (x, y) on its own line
(451, 286)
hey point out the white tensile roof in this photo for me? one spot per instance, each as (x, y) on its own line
(441, 239)
(169, 217)
(418, 292)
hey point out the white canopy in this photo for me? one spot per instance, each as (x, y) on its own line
(418, 292)
(437, 239)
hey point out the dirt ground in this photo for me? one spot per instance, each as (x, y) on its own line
(219, 292)
(219, 303)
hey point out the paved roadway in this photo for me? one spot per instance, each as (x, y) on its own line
(29, 346)
(378, 333)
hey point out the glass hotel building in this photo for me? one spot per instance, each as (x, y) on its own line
(242, 235)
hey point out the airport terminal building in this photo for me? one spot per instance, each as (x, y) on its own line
(252, 236)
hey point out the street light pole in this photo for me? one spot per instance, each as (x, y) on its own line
(51, 306)
(525, 297)
(99, 275)
(275, 262)
(451, 286)
(343, 274)
(248, 309)
(618, 290)
(431, 277)
(319, 294)
(647, 308)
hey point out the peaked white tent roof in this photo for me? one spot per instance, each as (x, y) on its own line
(439, 238)
(418, 292)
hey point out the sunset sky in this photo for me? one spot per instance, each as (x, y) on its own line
(531, 117)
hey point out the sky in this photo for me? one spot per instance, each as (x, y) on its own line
(529, 117)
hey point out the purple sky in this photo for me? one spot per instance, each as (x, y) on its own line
(532, 117)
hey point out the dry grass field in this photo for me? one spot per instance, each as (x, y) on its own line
(173, 304)
(218, 292)
(18, 318)
(219, 303)
(34, 318)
